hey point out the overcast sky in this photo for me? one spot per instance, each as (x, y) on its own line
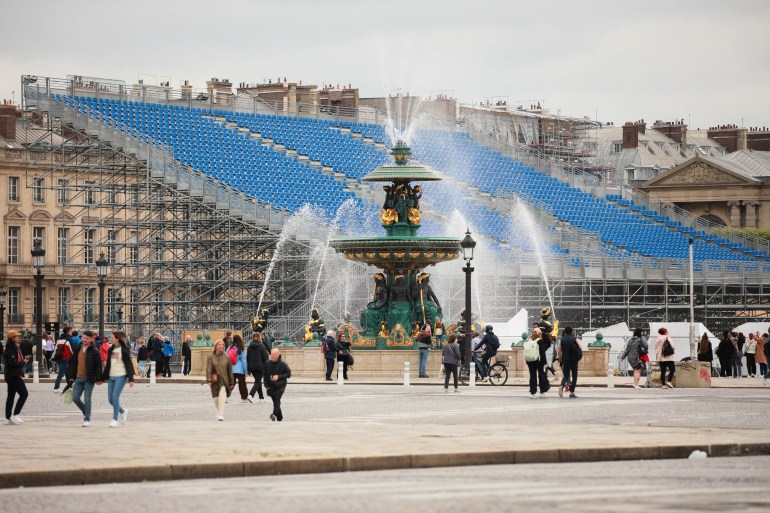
(705, 61)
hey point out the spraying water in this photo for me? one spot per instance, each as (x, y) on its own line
(521, 211)
(349, 206)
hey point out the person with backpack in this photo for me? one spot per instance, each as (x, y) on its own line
(636, 347)
(489, 344)
(256, 357)
(664, 353)
(451, 358)
(237, 354)
(61, 356)
(570, 354)
(219, 377)
(168, 354)
(424, 342)
(534, 356)
(329, 349)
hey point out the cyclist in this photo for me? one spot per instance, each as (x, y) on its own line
(489, 344)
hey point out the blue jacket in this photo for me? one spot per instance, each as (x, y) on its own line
(241, 365)
(168, 349)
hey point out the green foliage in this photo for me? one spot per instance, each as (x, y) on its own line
(762, 234)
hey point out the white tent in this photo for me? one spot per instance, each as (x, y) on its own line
(679, 334)
(752, 327)
(510, 332)
(615, 335)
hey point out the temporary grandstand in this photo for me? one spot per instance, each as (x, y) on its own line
(191, 196)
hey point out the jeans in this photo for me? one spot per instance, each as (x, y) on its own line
(439, 341)
(329, 367)
(737, 367)
(16, 386)
(82, 385)
(187, 365)
(423, 360)
(570, 370)
(62, 372)
(257, 387)
(450, 368)
(166, 366)
(751, 366)
(536, 373)
(276, 397)
(114, 389)
(671, 368)
(763, 368)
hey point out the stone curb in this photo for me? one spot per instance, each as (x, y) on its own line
(320, 465)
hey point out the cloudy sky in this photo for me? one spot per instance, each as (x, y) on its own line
(705, 61)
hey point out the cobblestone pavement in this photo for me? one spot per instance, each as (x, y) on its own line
(715, 484)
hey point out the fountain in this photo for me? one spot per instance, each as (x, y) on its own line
(402, 294)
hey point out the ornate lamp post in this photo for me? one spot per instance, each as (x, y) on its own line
(38, 262)
(3, 293)
(102, 266)
(467, 244)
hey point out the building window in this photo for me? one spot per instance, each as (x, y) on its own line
(62, 196)
(111, 195)
(133, 300)
(133, 248)
(112, 250)
(62, 237)
(89, 246)
(38, 233)
(90, 301)
(14, 296)
(13, 188)
(89, 193)
(13, 244)
(37, 190)
(64, 301)
(135, 195)
(617, 147)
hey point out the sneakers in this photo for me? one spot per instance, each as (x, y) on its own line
(561, 390)
(114, 423)
(250, 399)
(669, 385)
(637, 387)
(446, 390)
(272, 417)
(330, 379)
(572, 395)
(124, 416)
(533, 396)
(246, 400)
(542, 395)
(86, 423)
(457, 390)
(16, 419)
(220, 418)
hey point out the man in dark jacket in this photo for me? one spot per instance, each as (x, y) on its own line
(256, 358)
(726, 353)
(329, 349)
(569, 357)
(489, 344)
(276, 375)
(155, 346)
(27, 347)
(83, 373)
(186, 355)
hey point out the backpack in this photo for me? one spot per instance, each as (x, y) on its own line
(233, 354)
(667, 349)
(578, 351)
(531, 351)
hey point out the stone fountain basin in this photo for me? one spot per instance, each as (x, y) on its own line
(398, 252)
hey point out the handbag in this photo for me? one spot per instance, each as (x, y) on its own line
(68, 396)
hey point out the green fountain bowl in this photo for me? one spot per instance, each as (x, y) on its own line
(396, 173)
(391, 253)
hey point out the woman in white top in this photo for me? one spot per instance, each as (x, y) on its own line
(117, 370)
(750, 350)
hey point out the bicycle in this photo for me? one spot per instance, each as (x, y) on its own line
(497, 374)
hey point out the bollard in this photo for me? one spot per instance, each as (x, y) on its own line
(472, 374)
(406, 374)
(610, 379)
(35, 372)
(153, 379)
(340, 373)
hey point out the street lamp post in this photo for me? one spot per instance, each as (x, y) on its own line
(3, 293)
(101, 270)
(467, 245)
(38, 262)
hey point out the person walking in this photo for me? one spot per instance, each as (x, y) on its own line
(760, 357)
(256, 357)
(277, 374)
(168, 354)
(636, 347)
(726, 355)
(750, 350)
(186, 355)
(438, 330)
(664, 354)
(219, 376)
(13, 371)
(118, 369)
(343, 353)
(570, 353)
(534, 357)
(424, 342)
(451, 358)
(84, 373)
(329, 349)
(62, 355)
(240, 367)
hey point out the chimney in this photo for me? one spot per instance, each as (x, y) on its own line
(8, 115)
(676, 130)
(631, 135)
(186, 90)
(729, 136)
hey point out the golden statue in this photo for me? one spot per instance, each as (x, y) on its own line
(383, 330)
(308, 334)
(414, 216)
(388, 216)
